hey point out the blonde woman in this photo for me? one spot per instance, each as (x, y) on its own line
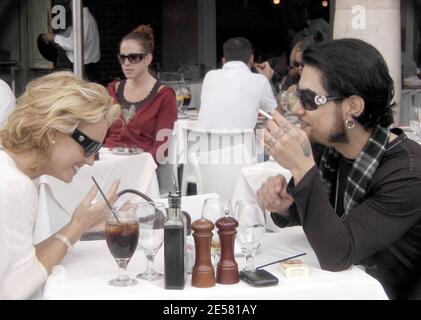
(296, 66)
(57, 127)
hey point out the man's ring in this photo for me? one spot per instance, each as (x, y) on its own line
(272, 141)
(286, 128)
(279, 133)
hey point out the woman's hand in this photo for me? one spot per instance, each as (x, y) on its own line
(273, 195)
(289, 146)
(92, 216)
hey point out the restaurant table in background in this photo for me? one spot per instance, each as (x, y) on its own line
(252, 178)
(57, 200)
(85, 272)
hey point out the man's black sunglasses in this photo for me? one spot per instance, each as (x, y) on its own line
(89, 145)
(311, 100)
(132, 57)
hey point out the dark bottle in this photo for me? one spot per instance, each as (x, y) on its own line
(174, 245)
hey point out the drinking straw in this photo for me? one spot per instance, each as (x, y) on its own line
(105, 198)
(296, 256)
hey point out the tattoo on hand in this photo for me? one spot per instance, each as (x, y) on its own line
(305, 145)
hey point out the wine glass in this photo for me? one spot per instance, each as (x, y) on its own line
(151, 217)
(287, 99)
(414, 121)
(186, 95)
(251, 227)
(122, 235)
(179, 96)
(212, 210)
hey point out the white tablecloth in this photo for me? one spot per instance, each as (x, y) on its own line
(58, 200)
(84, 274)
(252, 178)
(178, 144)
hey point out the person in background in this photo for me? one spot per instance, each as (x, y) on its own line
(56, 128)
(65, 41)
(148, 106)
(7, 101)
(296, 66)
(231, 96)
(357, 192)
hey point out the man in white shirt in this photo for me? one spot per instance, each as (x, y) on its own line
(7, 101)
(231, 96)
(90, 45)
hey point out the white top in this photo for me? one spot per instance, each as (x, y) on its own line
(21, 273)
(231, 97)
(7, 101)
(90, 36)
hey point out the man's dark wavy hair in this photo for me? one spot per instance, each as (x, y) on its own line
(354, 67)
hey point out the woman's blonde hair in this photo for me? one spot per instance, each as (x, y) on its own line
(299, 47)
(57, 101)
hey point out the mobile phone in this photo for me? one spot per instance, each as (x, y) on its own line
(259, 278)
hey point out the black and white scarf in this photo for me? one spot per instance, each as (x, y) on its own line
(361, 173)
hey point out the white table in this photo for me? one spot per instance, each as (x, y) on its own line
(58, 200)
(84, 274)
(252, 178)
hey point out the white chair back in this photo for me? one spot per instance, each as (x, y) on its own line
(214, 159)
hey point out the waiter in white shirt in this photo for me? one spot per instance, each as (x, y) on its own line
(90, 45)
(231, 96)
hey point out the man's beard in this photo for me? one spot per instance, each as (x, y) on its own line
(339, 135)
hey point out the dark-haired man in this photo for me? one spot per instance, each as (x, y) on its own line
(231, 96)
(357, 195)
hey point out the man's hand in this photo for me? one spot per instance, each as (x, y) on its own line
(289, 146)
(273, 195)
(48, 37)
(265, 69)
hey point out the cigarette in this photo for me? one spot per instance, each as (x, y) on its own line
(265, 114)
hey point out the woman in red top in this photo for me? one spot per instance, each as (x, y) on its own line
(147, 106)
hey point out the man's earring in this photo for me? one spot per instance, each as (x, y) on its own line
(350, 124)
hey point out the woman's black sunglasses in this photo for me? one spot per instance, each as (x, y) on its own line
(132, 57)
(311, 100)
(297, 64)
(90, 146)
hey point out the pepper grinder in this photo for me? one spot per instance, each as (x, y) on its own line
(227, 268)
(203, 275)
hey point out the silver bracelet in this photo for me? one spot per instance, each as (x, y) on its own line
(65, 240)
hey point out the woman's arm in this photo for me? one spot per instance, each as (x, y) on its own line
(52, 250)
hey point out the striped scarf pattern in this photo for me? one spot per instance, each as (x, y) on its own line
(361, 173)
